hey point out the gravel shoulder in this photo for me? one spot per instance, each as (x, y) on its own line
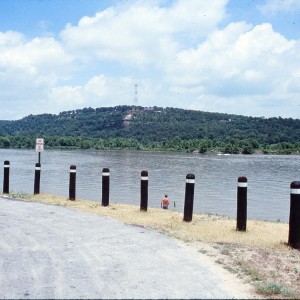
(56, 252)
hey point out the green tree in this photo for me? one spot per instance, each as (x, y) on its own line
(4, 142)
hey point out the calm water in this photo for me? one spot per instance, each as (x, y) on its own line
(269, 178)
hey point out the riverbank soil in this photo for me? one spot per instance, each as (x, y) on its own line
(259, 256)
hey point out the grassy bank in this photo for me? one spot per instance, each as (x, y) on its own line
(259, 256)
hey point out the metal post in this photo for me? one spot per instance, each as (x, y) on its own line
(189, 197)
(241, 220)
(144, 191)
(6, 177)
(105, 187)
(72, 185)
(294, 223)
(37, 178)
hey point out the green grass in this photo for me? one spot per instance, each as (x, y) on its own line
(253, 274)
(272, 288)
(18, 195)
(230, 269)
(203, 251)
(225, 251)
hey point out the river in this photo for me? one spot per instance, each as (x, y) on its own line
(269, 178)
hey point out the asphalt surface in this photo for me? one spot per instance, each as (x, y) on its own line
(55, 252)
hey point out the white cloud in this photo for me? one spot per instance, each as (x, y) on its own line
(277, 6)
(142, 33)
(67, 97)
(28, 69)
(240, 66)
(254, 105)
(102, 91)
(179, 55)
(10, 38)
(39, 57)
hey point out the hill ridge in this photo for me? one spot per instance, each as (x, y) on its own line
(155, 128)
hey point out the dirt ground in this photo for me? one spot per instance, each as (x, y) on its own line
(274, 273)
(259, 257)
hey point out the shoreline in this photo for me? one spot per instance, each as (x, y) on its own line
(259, 257)
(170, 150)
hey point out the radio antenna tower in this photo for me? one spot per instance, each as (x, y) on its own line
(135, 99)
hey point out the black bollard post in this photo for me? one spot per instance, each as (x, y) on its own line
(105, 187)
(294, 223)
(6, 177)
(37, 178)
(241, 220)
(72, 185)
(144, 191)
(189, 197)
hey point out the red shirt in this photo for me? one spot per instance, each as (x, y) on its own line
(165, 202)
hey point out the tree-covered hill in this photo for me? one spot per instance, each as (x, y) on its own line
(154, 128)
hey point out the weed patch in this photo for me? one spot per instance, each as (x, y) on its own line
(272, 288)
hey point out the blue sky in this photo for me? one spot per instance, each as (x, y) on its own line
(231, 56)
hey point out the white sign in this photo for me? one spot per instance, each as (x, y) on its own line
(39, 145)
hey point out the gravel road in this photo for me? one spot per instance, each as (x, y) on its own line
(55, 252)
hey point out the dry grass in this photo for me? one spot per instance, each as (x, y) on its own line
(205, 228)
(259, 256)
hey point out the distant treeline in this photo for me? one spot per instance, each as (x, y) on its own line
(231, 146)
(156, 128)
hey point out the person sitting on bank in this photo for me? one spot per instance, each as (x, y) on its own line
(165, 202)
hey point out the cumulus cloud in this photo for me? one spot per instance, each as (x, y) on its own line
(235, 63)
(68, 97)
(40, 59)
(101, 90)
(29, 68)
(181, 54)
(142, 33)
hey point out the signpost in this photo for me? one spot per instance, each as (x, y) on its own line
(39, 147)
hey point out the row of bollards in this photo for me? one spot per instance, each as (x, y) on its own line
(294, 220)
(37, 178)
(242, 184)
